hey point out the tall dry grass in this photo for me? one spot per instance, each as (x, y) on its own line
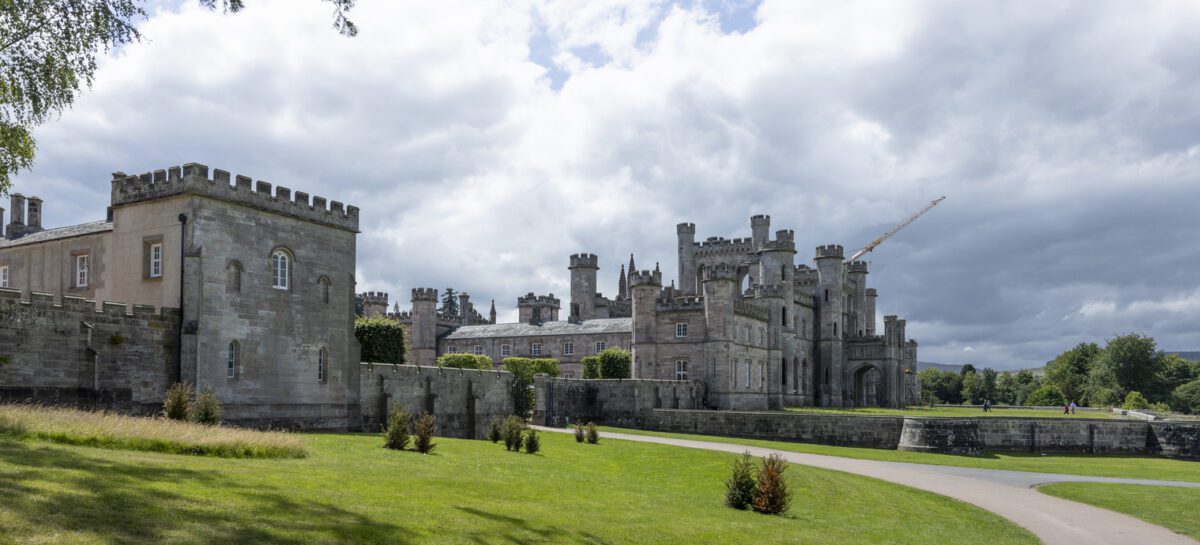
(154, 434)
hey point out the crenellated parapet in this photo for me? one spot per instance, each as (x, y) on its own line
(531, 299)
(193, 178)
(424, 294)
(778, 246)
(857, 266)
(722, 246)
(675, 304)
(720, 271)
(375, 298)
(747, 309)
(759, 220)
(589, 261)
(685, 229)
(830, 251)
(645, 278)
(760, 291)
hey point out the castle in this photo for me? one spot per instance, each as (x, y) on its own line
(253, 286)
(760, 331)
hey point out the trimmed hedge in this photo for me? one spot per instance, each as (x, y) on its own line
(382, 340)
(465, 361)
(523, 370)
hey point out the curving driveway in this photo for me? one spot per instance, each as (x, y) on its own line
(1009, 494)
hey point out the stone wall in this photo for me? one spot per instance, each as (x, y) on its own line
(619, 402)
(1065, 435)
(71, 354)
(843, 430)
(463, 400)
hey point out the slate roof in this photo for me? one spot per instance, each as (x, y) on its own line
(599, 325)
(59, 233)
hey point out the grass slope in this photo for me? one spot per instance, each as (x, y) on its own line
(1173, 508)
(1138, 467)
(349, 490)
(956, 412)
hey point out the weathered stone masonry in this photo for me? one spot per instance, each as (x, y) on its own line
(463, 400)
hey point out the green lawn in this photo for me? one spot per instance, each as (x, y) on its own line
(349, 490)
(998, 412)
(1173, 508)
(1138, 467)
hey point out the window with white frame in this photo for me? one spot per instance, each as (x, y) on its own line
(505, 350)
(451, 349)
(280, 270)
(322, 364)
(681, 329)
(535, 349)
(680, 369)
(4, 276)
(82, 265)
(477, 350)
(568, 375)
(568, 348)
(599, 346)
(231, 360)
(156, 260)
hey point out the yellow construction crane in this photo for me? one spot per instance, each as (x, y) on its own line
(912, 218)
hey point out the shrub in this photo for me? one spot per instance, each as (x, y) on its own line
(382, 339)
(206, 409)
(772, 496)
(742, 483)
(593, 436)
(177, 401)
(1047, 395)
(591, 367)
(425, 427)
(532, 442)
(523, 370)
(1134, 401)
(578, 432)
(1186, 398)
(494, 430)
(615, 363)
(396, 436)
(465, 361)
(511, 432)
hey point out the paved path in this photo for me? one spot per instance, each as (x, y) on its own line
(1007, 493)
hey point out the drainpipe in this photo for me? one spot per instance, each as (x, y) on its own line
(182, 257)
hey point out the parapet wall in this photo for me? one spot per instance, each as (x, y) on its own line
(463, 400)
(843, 430)
(616, 402)
(193, 178)
(119, 358)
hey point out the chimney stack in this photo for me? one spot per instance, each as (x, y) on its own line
(16, 226)
(34, 215)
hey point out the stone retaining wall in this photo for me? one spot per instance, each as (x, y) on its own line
(463, 400)
(843, 430)
(615, 402)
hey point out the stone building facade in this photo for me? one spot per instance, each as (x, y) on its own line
(263, 280)
(757, 329)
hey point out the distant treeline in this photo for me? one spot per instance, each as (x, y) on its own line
(1129, 371)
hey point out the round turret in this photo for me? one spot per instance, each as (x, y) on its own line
(857, 266)
(685, 229)
(830, 251)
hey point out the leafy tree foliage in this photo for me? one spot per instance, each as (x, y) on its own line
(941, 386)
(1135, 400)
(382, 340)
(987, 384)
(1133, 362)
(591, 366)
(49, 50)
(1047, 395)
(1186, 398)
(523, 370)
(615, 363)
(742, 484)
(972, 388)
(1069, 370)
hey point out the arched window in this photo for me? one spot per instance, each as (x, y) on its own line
(323, 283)
(231, 360)
(322, 364)
(235, 275)
(281, 269)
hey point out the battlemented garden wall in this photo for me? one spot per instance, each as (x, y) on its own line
(615, 402)
(463, 400)
(117, 358)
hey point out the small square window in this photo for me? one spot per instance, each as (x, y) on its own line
(451, 349)
(505, 350)
(477, 350)
(536, 349)
(568, 348)
(681, 330)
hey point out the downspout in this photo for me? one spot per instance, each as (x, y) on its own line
(182, 257)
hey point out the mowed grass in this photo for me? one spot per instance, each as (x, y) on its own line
(109, 430)
(957, 412)
(1137, 467)
(350, 490)
(1169, 507)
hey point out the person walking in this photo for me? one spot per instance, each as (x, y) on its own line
(987, 405)
(1066, 409)
(1073, 405)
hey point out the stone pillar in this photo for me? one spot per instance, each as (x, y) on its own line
(869, 311)
(33, 215)
(16, 225)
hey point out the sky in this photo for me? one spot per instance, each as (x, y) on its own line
(486, 142)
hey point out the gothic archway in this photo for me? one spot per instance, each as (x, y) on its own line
(868, 387)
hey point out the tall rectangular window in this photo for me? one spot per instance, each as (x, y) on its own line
(82, 265)
(477, 350)
(536, 349)
(733, 374)
(156, 260)
(505, 350)
(4, 276)
(762, 375)
(681, 370)
(599, 346)
(568, 348)
(681, 329)
(747, 373)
